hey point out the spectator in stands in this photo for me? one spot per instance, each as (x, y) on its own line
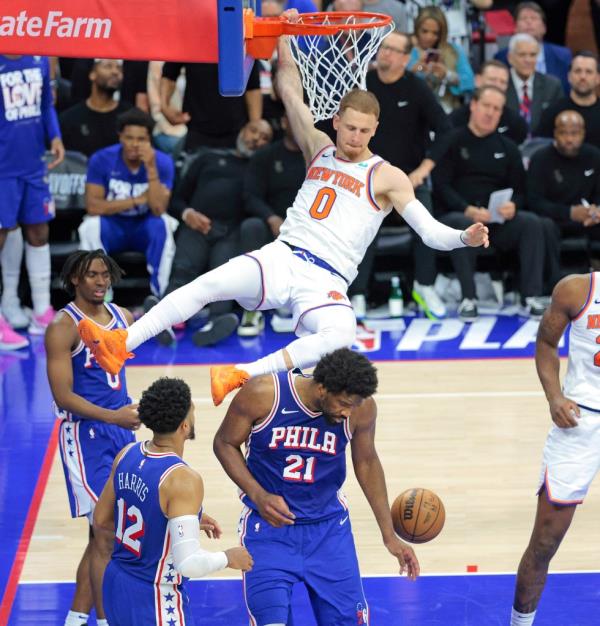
(212, 120)
(584, 78)
(409, 114)
(552, 59)
(134, 88)
(495, 74)
(273, 176)
(167, 137)
(477, 162)
(563, 184)
(529, 92)
(28, 122)
(91, 125)
(127, 193)
(443, 65)
(396, 10)
(210, 202)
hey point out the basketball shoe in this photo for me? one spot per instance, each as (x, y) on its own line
(9, 339)
(107, 346)
(223, 379)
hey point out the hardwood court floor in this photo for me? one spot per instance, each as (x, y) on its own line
(472, 431)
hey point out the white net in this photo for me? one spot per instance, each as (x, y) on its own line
(333, 65)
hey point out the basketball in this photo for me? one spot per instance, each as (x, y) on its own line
(418, 515)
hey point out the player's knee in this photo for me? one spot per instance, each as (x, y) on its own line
(341, 335)
(36, 234)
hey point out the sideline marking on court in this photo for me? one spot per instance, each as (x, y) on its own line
(27, 532)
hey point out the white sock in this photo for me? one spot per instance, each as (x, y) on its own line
(10, 259)
(101, 622)
(75, 618)
(521, 619)
(37, 260)
(270, 364)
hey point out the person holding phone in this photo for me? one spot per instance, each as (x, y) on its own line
(443, 65)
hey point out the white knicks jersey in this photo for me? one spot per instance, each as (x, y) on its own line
(334, 215)
(582, 382)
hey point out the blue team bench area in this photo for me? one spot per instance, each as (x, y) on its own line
(468, 600)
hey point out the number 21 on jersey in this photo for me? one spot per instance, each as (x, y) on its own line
(323, 203)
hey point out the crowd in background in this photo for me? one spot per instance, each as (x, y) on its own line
(190, 178)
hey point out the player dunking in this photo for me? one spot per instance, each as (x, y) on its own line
(347, 193)
(148, 517)
(96, 413)
(571, 458)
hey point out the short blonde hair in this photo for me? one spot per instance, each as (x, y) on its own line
(360, 100)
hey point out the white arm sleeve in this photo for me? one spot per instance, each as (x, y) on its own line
(189, 558)
(433, 233)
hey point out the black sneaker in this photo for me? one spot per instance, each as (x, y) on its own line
(167, 336)
(216, 330)
(467, 310)
(534, 308)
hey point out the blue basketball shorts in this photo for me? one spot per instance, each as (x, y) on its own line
(25, 201)
(322, 555)
(88, 449)
(130, 601)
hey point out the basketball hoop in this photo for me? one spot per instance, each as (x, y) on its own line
(332, 51)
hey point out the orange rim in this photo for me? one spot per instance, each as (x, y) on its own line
(261, 33)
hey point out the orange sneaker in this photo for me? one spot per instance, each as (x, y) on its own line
(107, 346)
(225, 378)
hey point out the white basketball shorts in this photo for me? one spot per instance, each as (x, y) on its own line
(571, 459)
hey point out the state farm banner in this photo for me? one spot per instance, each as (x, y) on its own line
(169, 30)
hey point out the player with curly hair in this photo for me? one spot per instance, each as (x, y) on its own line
(295, 522)
(148, 519)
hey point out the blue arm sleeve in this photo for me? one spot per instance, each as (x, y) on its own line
(49, 117)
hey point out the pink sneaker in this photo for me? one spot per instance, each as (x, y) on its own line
(9, 339)
(39, 323)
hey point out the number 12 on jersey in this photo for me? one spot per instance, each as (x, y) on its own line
(323, 203)
(129, 536)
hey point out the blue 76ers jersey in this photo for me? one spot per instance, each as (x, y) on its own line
(90, 381)
(299, 455)
(142, 545)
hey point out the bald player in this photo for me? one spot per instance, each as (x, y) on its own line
(563, 183)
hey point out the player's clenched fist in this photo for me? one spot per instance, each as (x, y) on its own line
(239, 558)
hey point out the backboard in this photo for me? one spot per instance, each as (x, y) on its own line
(234, 64)
(196, 31)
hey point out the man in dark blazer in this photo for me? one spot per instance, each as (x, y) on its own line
(529, 92)
(552, 58)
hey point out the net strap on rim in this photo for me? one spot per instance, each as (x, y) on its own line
(332, 51)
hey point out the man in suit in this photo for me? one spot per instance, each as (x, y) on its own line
(552, 59)
(529, 92)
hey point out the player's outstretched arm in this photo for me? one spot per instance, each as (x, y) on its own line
(393, 183)
(181, 496)
(251, 404)
(371, 478)
(289, 88)
(568, 298)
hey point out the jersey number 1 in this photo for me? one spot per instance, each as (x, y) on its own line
(129, 536)
(323, 203)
